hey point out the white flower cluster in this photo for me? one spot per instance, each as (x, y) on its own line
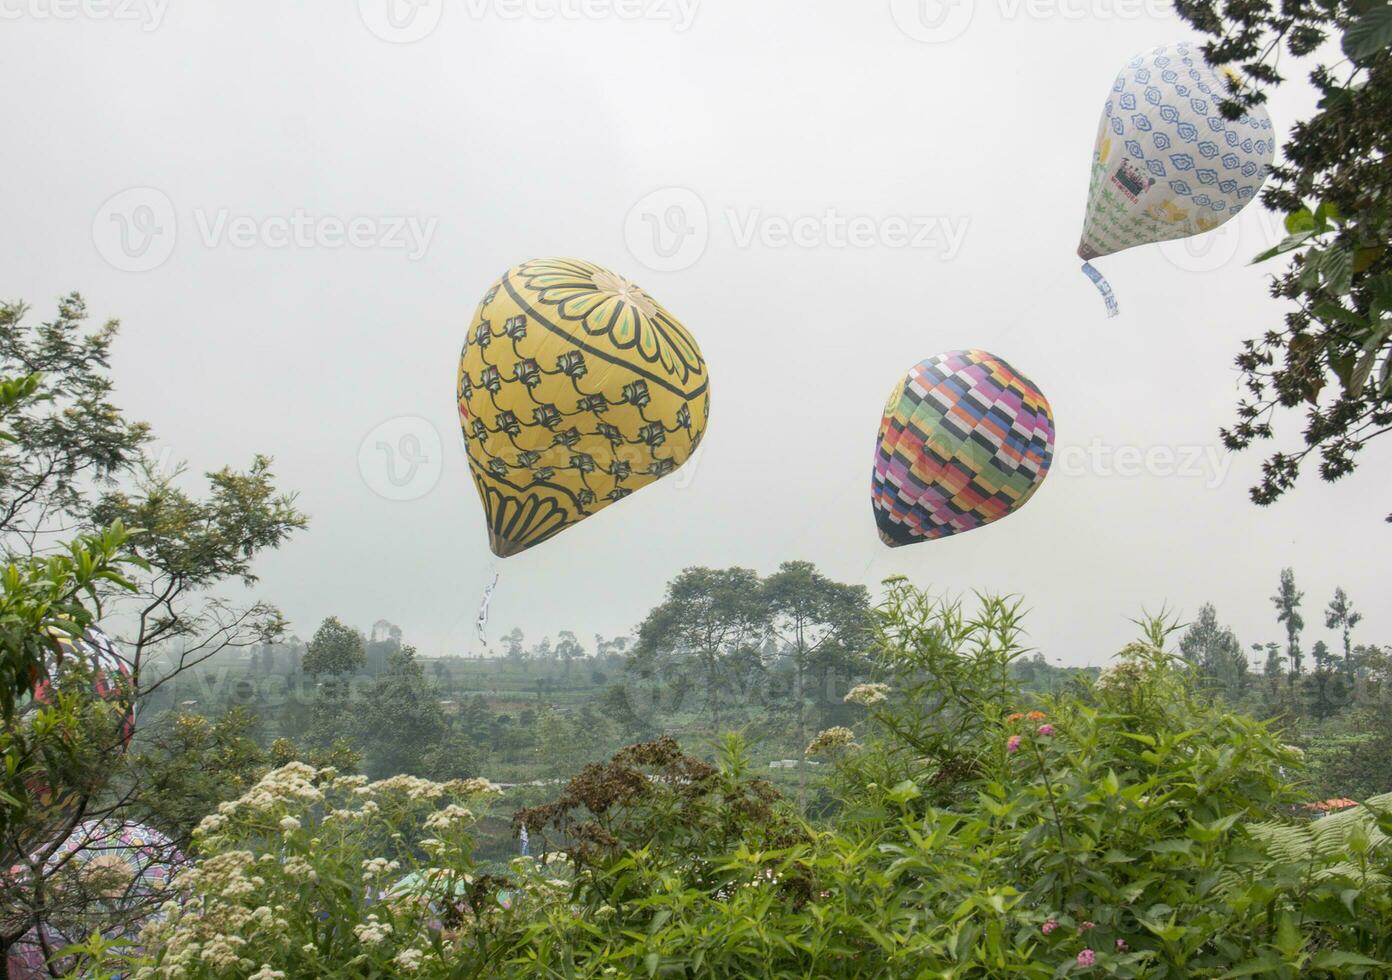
(830, 740)
(868, 695)
(412, 787)
(1120, 677)
(244, 910)
(442, 821)
(373, 931)
(374, 868)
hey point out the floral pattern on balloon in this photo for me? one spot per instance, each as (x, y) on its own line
(604, 303)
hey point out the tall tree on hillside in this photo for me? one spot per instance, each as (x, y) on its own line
(335, 650)
(1287, 602)
(399, 719)
(514, 644)
(568, 648)
(1340, 615)
(708, 615)
(1214, 651)
(822, 624)
(1319, 653)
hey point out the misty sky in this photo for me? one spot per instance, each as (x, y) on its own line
(294, 213)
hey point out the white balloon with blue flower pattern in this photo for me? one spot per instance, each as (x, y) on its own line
(1167, 164)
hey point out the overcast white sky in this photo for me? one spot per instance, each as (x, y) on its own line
(204, 133)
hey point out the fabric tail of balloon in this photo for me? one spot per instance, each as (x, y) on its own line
(1098, 280)
(482, 623)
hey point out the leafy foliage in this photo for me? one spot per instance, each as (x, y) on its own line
(1333, 354)
(1130, 827)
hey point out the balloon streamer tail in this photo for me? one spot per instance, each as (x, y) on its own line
(482, 622)
(1103, 287)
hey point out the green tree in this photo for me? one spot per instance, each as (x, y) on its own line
(1287, 603)
(568, 648)
(66, 436)
(1214, 651)
(335, 650)
(73, 478)
(1333, 354)
(707, 615)
(400, 718)
(824, 625)
(1340, 615)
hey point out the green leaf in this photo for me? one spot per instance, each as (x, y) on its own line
(1369, 35)
(1288, 244)
(1337, 269)
(904, 792)
(1298, 221)
(1381, 288)
(1334, 958)
(1251, 968)
(1328, 309)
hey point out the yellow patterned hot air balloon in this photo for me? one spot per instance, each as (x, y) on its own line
(576, 388)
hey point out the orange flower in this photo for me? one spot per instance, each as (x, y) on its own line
(1015, 717)
(1036, 716)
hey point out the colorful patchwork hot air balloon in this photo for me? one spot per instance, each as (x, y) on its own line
(1167, 164)
(964, 441)
(575, 389)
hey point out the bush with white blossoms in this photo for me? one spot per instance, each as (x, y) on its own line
(295, 880)
(868, 695)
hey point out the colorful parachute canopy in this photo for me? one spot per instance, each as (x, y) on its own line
(576, 388)
(964, 441)
(1167, 164)
(433, 883)
(125, 867)
(93, 660)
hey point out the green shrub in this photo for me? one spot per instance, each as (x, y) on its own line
(1125, 827)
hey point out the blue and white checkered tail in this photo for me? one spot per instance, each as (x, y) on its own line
(1103, 287)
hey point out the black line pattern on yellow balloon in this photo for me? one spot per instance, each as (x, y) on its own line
(686, 373)
(522, 522)
(509, 378)
(606, 304)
